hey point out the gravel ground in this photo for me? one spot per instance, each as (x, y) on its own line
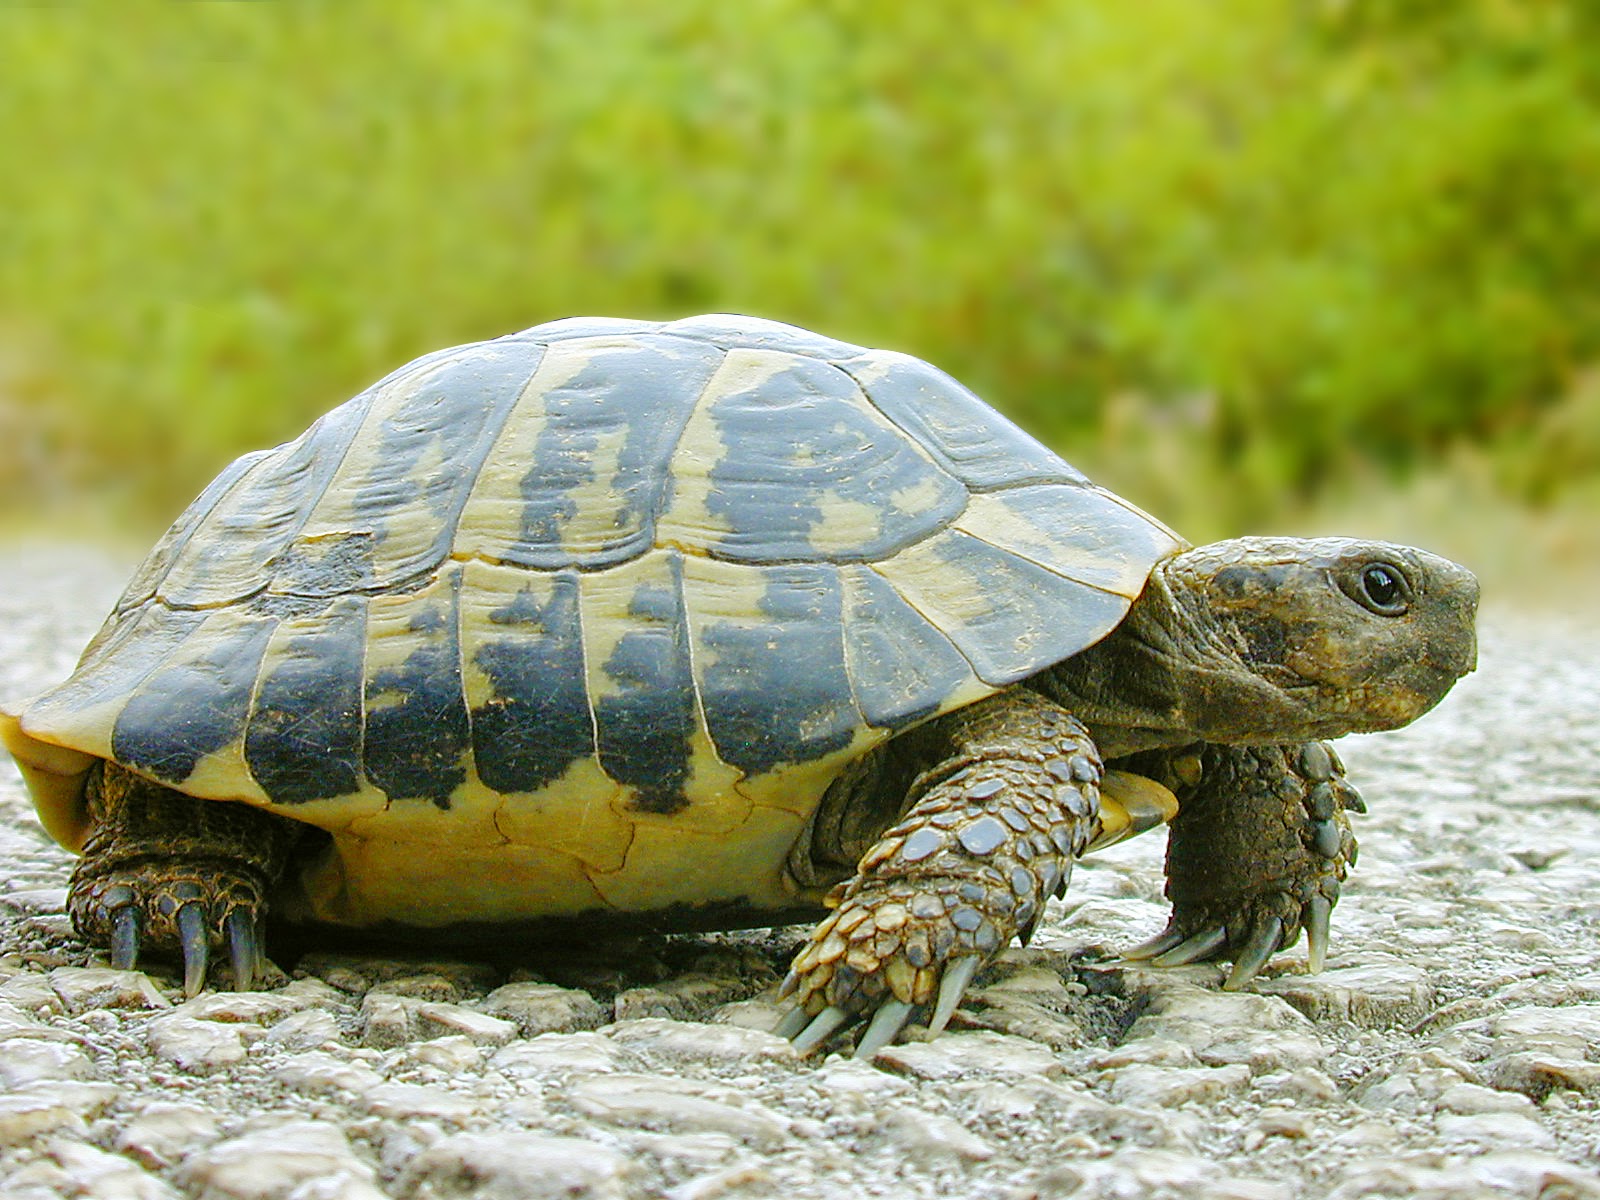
(1452, 1048)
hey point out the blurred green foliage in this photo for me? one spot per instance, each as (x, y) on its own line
(1219, 254)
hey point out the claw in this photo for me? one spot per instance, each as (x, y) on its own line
(196, 950)
(826, 1021)
(791, 981)
(1202, 945)
(1319, 921)
(951, 988)
(124, 938)
(1262, 945)
(1160, 944)
(886, 1025)
(243, 947)
(791, 1023)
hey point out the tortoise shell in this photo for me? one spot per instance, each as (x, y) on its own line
(588, 616)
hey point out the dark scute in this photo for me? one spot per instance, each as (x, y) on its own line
(131, 645)
(255, 520)
(304, 739)
(755, 333)
(977, 444)
(646, 724)
(147, 578)
(903, 668)
(453, 416)
(191, 706)
(537, 723)
(646, 391)
(800, 434)
(777, 692)
(417, 729)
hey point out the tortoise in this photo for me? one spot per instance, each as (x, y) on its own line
(706, 624)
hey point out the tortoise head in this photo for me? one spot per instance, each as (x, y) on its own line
(1291, 639)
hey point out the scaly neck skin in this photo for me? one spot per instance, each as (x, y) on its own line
(1135, 689)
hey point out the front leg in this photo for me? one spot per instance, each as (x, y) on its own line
(1006, 797)
(1256, 852)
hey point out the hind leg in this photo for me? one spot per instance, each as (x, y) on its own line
(164, 870)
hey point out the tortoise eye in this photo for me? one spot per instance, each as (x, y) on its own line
(1384, 590)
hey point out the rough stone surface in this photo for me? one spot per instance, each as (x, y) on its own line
(1451, 1049)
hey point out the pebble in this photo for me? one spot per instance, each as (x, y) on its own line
(85, 988)
(691, 1041)
(1370, 996)
(197, 1045)
(538, 1008)
(1148, 1086)
(516, 1166)
(163, 1134)
(964, 1055)
(679, 1106)
(104, 1176)
(929, 1138)
(1263, 1032)
(272, 1163)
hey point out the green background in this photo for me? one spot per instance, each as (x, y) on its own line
(1255, 264)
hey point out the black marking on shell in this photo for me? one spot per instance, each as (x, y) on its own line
(129, 648)
(235, 547)
(803, 439)
(643, 393)
(646, 723)
(537, 723)
(902, 667)
(304, 738)
(417, 728)
(975, 443)
(451, 416)
(195, 702)
(776, 690)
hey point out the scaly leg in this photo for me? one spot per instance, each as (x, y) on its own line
(1256, 852)
(1007, 797)
(181, 874)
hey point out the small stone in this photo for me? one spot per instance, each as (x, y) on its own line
(955, 1056)
(1497, 1129)
(106, 1176)
(1307, 1085)
(1151, 1051)
(163, 1134)
(1469, 1099)
(272, 1163)
(262, 1008)
(676, 1106)
(28, 1060)
(930, 1139)
(411, 1101)
(717, 1184)
(1535, 1074)
(305, 1030)
(31, 992)
(435, 1019)
(196, 1045)
(512, 1165)
(538, 1008)
(84, 988)
(1375, 996)
(453, 1055)
(1167, 1087)
(1263, 1032)
(557, 1054)
(430, 987)
(694, 1042)
(388, 1021)
(25, 1115)
(316, 1071)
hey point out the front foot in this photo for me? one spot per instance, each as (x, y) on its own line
(181, 912)
(1258, 851)
(969, 867)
